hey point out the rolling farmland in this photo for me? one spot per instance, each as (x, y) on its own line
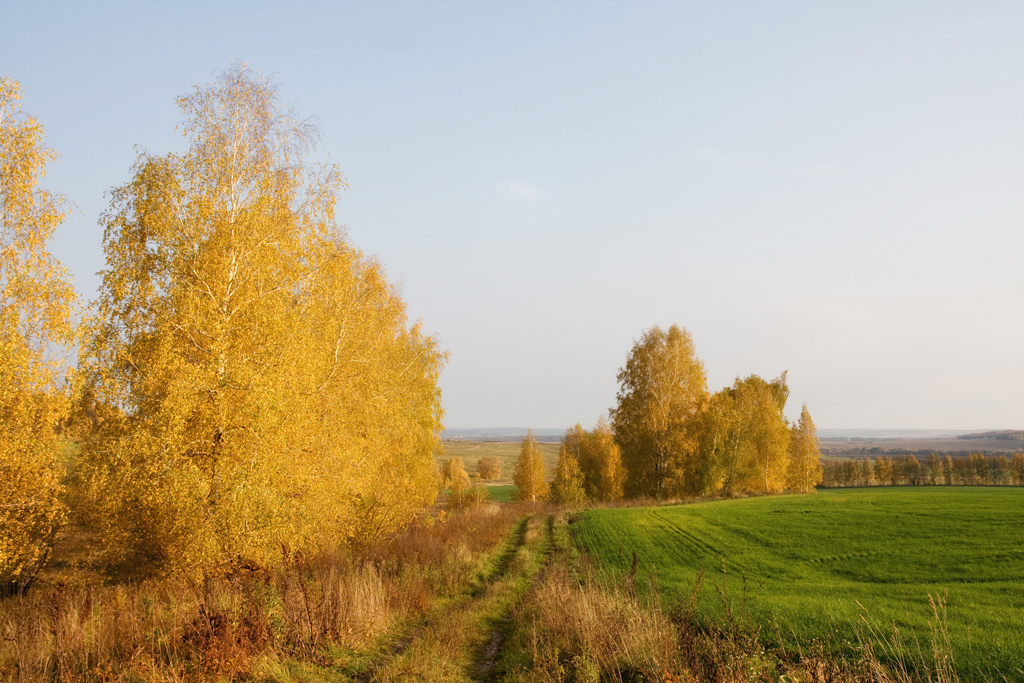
(815, 557)
(507, 453)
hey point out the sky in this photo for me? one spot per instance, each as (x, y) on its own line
(831, 189)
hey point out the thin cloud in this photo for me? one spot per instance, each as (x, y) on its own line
(518, 189)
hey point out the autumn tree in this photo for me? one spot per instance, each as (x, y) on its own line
(762, 433)
(271, 388)
(600, 460)
(36, 305)
(934, 468)
(529, 475)
(488, 468)
(567, 486)
(463, 493)
(1017, 469)
(912, 470)
(978, 470)
(454, 475)
(804, 470)
(963, 473)
(661, 389)
(714, 467)
(1002, 473)
(884, 471)
(947, 470)
(743, 439)
(866, 475)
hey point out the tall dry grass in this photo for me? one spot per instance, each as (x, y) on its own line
(319, 610)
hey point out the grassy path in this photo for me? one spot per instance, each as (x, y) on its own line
(461, 638)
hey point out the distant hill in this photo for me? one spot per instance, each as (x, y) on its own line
(875, 436)
(889, 434)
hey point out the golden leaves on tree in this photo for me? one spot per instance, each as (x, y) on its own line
(274, 392)
(36, 306)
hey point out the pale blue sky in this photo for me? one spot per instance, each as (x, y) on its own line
(833, 189)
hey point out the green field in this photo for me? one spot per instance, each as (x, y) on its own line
(502, 493)
(818, 555)
(507, 453)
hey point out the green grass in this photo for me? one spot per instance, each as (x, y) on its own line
(502, 493)
(819, 555)
(507, 453)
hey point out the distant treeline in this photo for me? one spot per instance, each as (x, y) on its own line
(919, 452)
(1004, 435)
(976, 469)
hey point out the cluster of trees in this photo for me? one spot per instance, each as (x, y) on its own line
(463, 493)
(669, 437)
(678, 439)
(907, 470)
(260, 382)
(589, 466)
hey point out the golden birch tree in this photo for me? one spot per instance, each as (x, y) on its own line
(567, 487)
(743, 439)
(272, 390)
(934, 468)
(1017, 469)
(661, 389)
(717, 463)
(529, 473)
(454, 475)
(461, 494)
(600, 460)
(804, 470)
(762, 435)
(36, 306)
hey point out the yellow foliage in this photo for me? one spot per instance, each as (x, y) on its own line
(568, 484)
(677, 440)
(488, 468)
(455, 475)
(36, 304)
(600, 460)
(529, 474)
(661, 389)
(804, 472)
(273, 392)
(744, 439)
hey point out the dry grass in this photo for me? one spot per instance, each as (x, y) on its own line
(452, 646)
(337, 610)
(589, 631)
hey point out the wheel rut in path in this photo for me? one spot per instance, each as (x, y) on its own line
(403, 644)
(487, 658)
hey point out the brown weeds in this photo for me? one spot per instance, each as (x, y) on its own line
(308, 609)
